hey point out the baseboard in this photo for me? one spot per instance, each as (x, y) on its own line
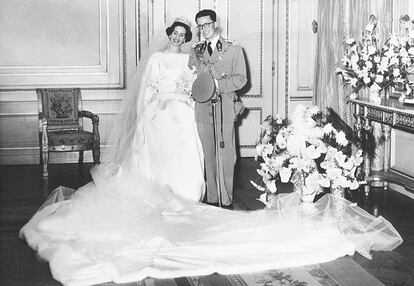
(30, 156)
(401, 190)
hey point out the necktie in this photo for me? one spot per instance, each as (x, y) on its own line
(209, 49)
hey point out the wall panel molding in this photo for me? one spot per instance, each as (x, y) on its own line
(235, 28)
(259, 119)
(99, 62)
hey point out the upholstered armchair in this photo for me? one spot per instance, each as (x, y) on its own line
(61, 125)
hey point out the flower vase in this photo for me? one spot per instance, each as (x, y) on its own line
(375, 96)
(298, 181)
(271, 200)
(307, 197)
(386, 92)
(338, 197)
(338, 192)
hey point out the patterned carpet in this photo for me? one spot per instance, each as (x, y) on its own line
(341, 272)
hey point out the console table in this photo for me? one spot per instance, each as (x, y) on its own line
(390, 113)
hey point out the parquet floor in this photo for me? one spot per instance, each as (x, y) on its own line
(22, 191)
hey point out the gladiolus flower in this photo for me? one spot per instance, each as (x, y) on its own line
(379, 78)
(354, 185)
(353, 81)
(271, 186)
(341, 139)
(396, 72)
(350, 41)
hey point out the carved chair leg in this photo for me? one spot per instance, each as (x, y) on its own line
(45, 161)
(44, 147)
(80, 157)
(96, 153)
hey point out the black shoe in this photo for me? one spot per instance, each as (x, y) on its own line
(213, 204)
(229, 207)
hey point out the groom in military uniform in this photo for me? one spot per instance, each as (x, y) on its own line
(224, 61)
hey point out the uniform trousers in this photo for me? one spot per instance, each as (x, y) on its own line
(226, 161)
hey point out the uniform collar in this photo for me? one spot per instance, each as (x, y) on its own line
(214, 41)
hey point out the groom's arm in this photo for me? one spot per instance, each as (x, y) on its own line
(237, 78)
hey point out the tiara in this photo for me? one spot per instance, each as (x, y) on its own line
(183, 20)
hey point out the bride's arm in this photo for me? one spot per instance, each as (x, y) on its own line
(192, 62)
(151, 78)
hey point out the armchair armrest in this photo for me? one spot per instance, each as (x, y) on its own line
(41, 115)
(90, 115)
(95, 123)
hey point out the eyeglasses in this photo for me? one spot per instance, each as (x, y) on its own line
(203, 26)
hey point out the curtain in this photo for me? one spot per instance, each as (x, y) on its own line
(329, 52)
(339, 20)
(359, 12)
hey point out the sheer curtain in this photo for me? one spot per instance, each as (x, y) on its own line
(339, 20)
(330, 38)
(359, 12)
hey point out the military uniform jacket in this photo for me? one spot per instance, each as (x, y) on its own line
(228, 66)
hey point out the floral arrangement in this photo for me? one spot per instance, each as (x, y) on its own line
(308, 152)
(185, 81)
(365, 65)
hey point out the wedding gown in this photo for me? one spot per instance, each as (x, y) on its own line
(128, 225)
(170, 152)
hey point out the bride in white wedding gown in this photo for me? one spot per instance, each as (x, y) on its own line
(170, 153)
(167, 149)
(140, 217)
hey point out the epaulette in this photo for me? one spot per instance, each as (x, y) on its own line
(197, 44)
(230, 42)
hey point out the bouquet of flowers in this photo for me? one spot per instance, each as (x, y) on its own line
(367, 65)
(308, 152)
(185, 81)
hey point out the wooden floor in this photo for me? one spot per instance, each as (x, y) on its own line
(22, 191)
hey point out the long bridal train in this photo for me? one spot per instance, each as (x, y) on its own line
(123, 228)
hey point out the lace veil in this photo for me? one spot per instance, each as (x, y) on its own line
(128, 124)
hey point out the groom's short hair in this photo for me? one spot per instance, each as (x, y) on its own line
(206, 12)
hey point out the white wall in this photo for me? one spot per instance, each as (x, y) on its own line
(60, 44)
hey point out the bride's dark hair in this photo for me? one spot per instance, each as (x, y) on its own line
(188, 33)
